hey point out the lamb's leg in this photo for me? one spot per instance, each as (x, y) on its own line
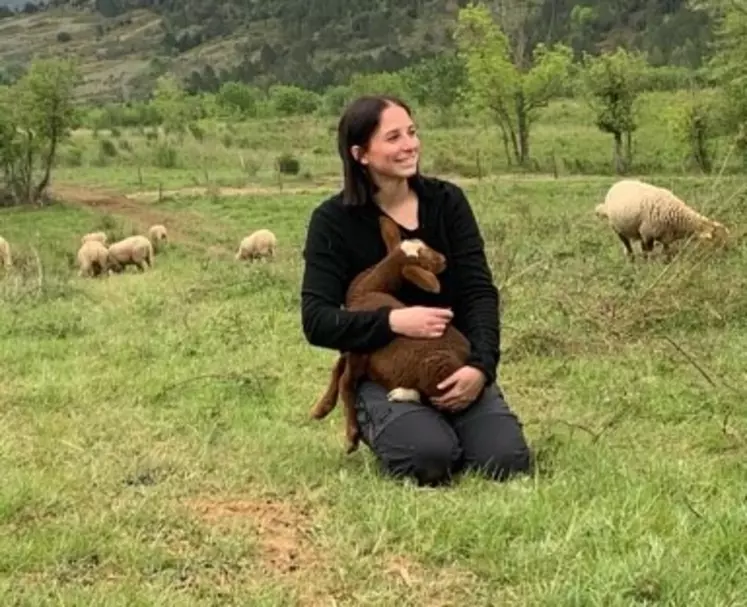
(647, 246)
(354, 370)
(626, 243)
(666, 251)
(328, 400)
(401, 395)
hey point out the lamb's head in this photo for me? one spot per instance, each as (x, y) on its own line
(420, 254)
(713, 231)
(113, 263)
(600, 211)
(419, 264)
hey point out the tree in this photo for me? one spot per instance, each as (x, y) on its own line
(238, 98)
(174, 108)
(36, 114)
(379, 83)
(692, 124)
(729, 64)
(511, 93)
(437, 82)
(613, 82)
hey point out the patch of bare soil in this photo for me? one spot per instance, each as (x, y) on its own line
(288, 552)
(283, 530)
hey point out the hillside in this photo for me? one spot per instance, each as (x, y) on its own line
(125, 44)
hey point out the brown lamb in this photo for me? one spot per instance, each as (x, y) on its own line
(407, 367)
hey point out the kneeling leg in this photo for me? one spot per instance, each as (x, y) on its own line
(409, 439)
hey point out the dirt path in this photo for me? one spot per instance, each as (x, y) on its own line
(190, 227)
(186, 227)
(152, 195)
(316, 188)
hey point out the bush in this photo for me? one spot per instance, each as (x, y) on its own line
(288, 164)
(165, 156)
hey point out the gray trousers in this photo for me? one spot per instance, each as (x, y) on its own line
(415, 440)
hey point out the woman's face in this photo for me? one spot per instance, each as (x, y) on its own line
(393, 150)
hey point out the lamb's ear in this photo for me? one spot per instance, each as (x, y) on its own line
(421, 278)
(390, 233)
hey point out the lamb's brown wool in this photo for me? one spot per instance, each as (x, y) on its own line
(406, 367)
(637, 210)
(93, 258)
(261, 243)
(133, 250)
(5, 257)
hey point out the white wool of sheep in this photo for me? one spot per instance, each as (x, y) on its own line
(98, 236)
(133, 250)
(5, 258)
(157, 234)
(261, 243)
(637, 210)
(93, 258)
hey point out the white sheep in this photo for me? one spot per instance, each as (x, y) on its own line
(261, 243)
(97, 236)
(157, 234)
(637, 210)
(5, 258)
(133, 250)
(93, 258)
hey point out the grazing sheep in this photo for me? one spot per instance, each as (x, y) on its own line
(157, 234)
(133, 250)
(5, 257)
(259, 244)
(97, 236)
(406, 367)
(93, 258)
(637, 210)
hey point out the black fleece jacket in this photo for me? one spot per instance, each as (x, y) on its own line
(342, 241)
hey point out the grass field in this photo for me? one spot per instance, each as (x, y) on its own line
(156, 445)
(564, 141)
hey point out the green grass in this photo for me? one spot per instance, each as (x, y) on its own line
(564, 141)
(156, 445)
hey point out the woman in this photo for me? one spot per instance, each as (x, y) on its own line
(470, 426)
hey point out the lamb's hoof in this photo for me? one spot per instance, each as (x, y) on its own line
(352, 442)
(320, 410)
(402, 395)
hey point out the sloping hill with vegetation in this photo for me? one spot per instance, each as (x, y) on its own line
(124, 45)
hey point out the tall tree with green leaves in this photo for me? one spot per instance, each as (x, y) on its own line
(729, 64)
(612, 83)
(501, 83)
(36, 114)
(437, 82)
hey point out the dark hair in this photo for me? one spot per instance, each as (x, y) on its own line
(357, 124)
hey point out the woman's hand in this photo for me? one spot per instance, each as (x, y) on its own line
(465, 383)
(420, 321)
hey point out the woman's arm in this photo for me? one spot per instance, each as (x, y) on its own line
(477, 298)
(323, 290)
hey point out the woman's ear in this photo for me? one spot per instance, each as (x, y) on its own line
(358, 155)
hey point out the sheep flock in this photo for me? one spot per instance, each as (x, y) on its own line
(96, 257)
(635, 210)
